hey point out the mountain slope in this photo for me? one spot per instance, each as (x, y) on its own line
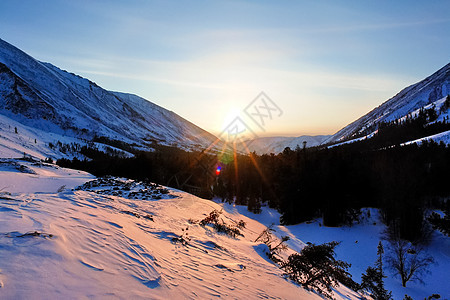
(406, 101)
(45, 97)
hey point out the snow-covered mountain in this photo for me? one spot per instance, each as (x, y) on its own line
(410, 99)
(442, 109)
(279, 143)
(44, 97)
(428, 93)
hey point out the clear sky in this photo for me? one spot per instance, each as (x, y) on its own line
(324, 63)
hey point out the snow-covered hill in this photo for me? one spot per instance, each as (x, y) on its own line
(418, 95)
(278, 144)
(442, 115)
(18, 140)
(120, 239)
(428, 93)
(45, 97)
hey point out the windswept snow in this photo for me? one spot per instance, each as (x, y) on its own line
(93, 243)
(27, 177)
(119, 239)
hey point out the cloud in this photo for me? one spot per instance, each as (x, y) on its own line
(234, 70)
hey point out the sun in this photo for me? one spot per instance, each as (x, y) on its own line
(229, 117)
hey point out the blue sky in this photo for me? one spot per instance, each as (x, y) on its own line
(325, 63)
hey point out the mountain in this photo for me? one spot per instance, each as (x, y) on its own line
(428, 93)
(44, 97)
(278, 144)
(408, 100)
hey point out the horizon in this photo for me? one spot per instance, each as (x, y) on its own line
(324, 64)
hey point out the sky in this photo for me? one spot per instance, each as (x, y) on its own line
(323, 63)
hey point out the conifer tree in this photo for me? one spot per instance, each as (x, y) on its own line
(372, 280)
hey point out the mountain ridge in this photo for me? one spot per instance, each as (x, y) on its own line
(46, 97)
(43, 96)
(409, 99)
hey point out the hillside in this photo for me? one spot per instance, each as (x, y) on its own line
(410, 99)
(45, 97)
(440, 112)
(428, 93)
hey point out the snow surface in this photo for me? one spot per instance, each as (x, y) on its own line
(355, 140)
(440, 137)
(35, 142)
(14, 145)
(89, 243)
(27, 177)
(436, 105)
(359, 246)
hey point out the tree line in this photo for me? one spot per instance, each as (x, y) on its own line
(302, 184)
(335, 183)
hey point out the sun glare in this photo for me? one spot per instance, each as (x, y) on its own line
(229, 117)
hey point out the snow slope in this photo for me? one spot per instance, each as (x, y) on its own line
(442, 112)
(359, 247)
(45, 97)
(120, 239)
(22, 176)
(33, 142)
(418, 95)
(443, 137)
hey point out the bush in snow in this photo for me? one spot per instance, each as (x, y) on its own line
(219, 225)
(274, 245)
(439, 223)
(212, 218)
(316, 268)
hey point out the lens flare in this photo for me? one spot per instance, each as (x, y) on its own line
(218, 169)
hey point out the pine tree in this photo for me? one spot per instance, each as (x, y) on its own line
(372, 280)
(316, 268)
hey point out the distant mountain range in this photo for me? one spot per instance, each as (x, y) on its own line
(279, 143)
